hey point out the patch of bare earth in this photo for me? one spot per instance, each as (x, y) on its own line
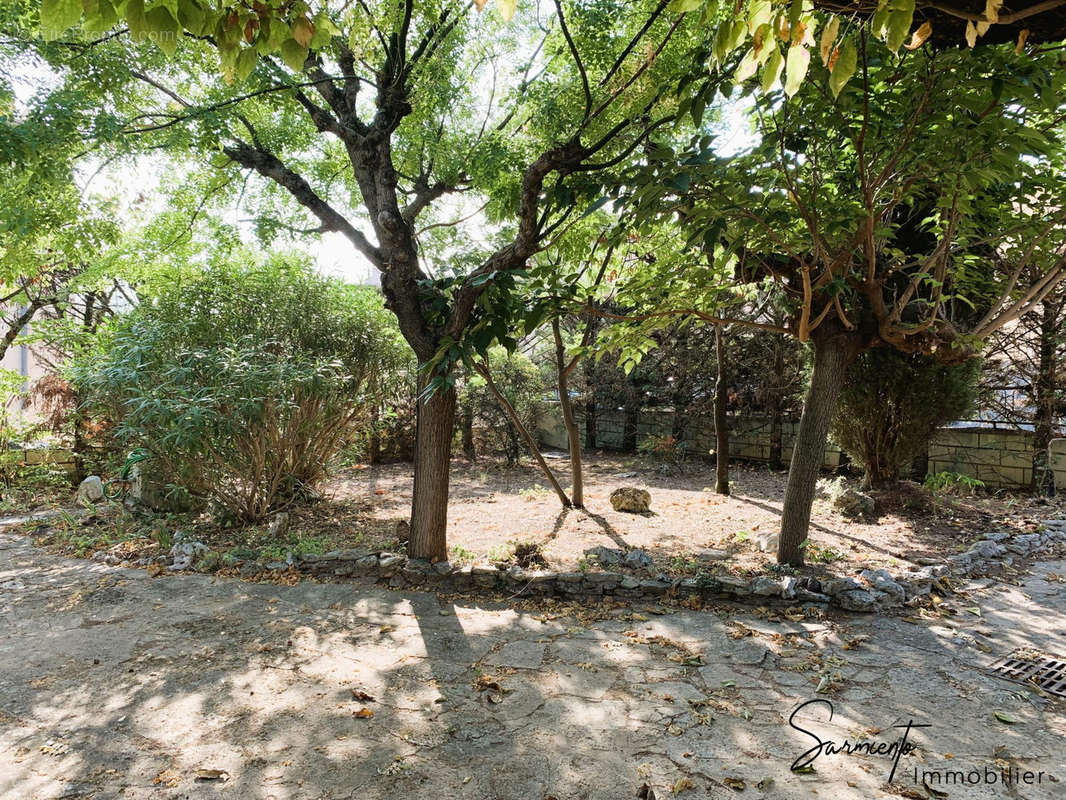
(493, 505)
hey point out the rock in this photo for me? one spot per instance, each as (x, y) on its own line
(767, 542)
(631, 500)
(182, 555)
(986, 549)
(1024, 544)
(443, 568)
(389, 563)
(788, 587)
(637, 559)
(710, 554)
(90, 490)
(856, 600)
(881, 580)
(997, 536)
(808, 597)
(278, 526)
(766, 586)
(809, 584)
(853, 503)
(605, 556)
(835, 586)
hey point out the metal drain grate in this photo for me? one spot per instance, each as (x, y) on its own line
(1047, 673)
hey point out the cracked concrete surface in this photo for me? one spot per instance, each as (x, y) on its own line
(117, 685)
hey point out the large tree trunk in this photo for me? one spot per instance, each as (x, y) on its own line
(1044, 395)
(721, 422)
(434, 426)
(833, 351)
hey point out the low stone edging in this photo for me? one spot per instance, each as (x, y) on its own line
(874, 590)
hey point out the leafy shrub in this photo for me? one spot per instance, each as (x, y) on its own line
(519, 380)
(665, 449)
(244, 381)
(952, 483)
(891, 404)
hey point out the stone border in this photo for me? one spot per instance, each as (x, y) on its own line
(874, 590)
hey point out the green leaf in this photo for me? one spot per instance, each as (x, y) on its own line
(293, 54)
(682, 6)
(899, 23)
(245, 63)
(844, 68)
(325, 30)
(163, 29)
(100, 15)
(138, 25)
(191, 16)
(799, 58)
(1005, 719)
(58, 16)
(771, 71)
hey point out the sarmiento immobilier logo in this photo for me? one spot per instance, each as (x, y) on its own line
(895, 748)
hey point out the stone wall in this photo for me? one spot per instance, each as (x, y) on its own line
(1000, 457)
(749, 437)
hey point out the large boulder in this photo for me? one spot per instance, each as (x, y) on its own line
(631, 500)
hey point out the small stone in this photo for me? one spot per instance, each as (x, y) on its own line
(631, 500)
(767, 541)
(856, 600)
(881, 580)
(90, 490)
(443, 568)
(834, 586)
(605, 556)
(278, 526)
(710, 554)
(629, 582)
(853, 503)
(765, 586)
(986, 549)
(182, 555)
(388, 563)
(637, 559)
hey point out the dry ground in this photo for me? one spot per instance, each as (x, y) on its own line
(492, 505)
(114, 684)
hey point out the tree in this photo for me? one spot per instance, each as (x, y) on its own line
(393, 90)
(871, 218)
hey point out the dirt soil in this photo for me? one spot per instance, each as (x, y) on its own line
(493, 505)
(495, 508)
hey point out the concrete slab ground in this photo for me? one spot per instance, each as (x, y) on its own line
(114, 684)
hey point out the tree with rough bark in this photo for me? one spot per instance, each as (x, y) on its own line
(881, 217)
(447, 146)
